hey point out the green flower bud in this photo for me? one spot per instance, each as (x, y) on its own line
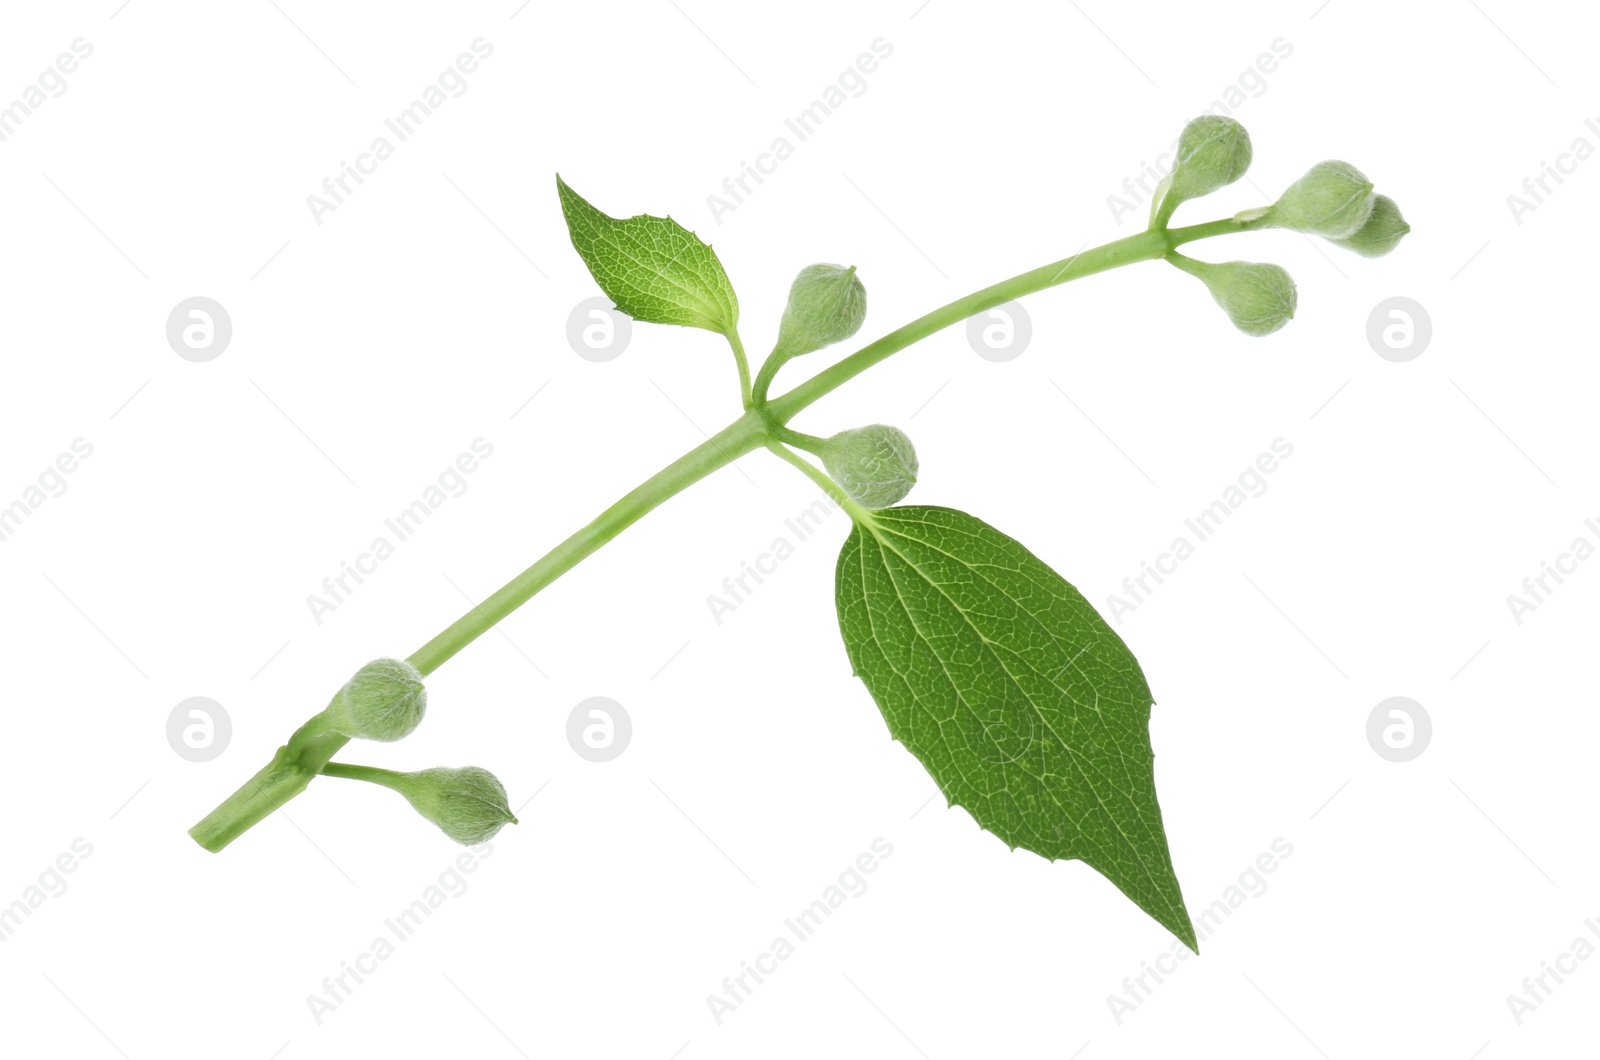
(1382, 232)
(1258, 298)
(385, 700)
(876, 466)
(1213, 152)
(826, 305)
(1333, 200)
(468, 804)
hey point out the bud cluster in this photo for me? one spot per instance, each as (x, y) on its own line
(1333, 199)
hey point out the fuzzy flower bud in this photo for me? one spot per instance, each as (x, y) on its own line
(468, 804)
(385, 700)
(1333, 199)
(1258, 298)
(1213, 152)
(1382, 232)
(876, 466)
(827, 304)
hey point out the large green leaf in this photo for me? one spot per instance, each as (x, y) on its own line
(652, 267)
(1022, 703)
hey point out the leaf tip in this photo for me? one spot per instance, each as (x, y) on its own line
(1186, 935)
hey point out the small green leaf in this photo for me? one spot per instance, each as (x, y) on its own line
(652, 267)
(1027, 709)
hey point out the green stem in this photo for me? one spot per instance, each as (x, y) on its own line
(289, 773)
(740, 437)
(1142, 247)
(1145, 246)
(311, 748)
(1188, 264)
(1226, 227)
(743, 364)
(769, 372)
(816, 474)
(1162, 205)
(281, 780)
(809, 442)
(759, 426)
(371, 774)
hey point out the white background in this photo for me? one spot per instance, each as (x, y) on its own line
(425, 312)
